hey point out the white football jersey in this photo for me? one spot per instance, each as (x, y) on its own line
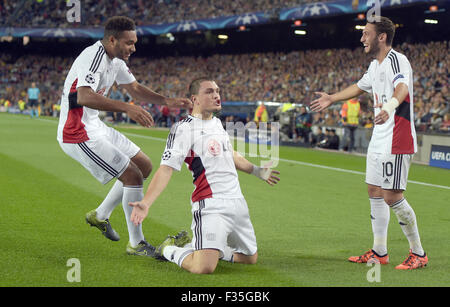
(398, 134)
(205, 147)
(95, 69)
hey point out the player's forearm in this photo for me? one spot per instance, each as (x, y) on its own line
(347, 93)
(157, 185)
(242, 164)
(143, 93)
(400, 92)
(90, 99)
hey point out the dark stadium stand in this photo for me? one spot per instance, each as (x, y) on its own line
(24, 13)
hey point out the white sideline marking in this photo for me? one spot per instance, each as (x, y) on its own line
(287, 160)
(307, 164)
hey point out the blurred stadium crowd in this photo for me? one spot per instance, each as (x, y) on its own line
(278, 77)
(25, 13)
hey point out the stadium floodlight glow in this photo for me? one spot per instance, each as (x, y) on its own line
(300, 32)
(298, 23)
(359, 27)
(170, 36)
(222, 36)
(431, 21)
(433, 8)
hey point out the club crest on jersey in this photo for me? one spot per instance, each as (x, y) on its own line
(214, 147)
(90, 79)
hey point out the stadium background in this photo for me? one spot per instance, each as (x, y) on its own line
(252, 60)
(255, 54)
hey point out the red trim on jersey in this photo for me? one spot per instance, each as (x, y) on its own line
(73, 88)
(74, 131)
(402, 139)
(202, 188)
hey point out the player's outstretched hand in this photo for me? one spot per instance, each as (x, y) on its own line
(183, 103)
(381, 117)
(273, 179)
(139, 213)
(140, 116)
(321, 103)
(266, 173)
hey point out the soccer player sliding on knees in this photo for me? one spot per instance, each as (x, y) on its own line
(221, 224)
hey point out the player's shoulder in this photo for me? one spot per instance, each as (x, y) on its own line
(92, 55)
(119, 63)
(372, 65)
(218, 122)
(184, 124)
(93, 50)
(398, 61)
(396, 56)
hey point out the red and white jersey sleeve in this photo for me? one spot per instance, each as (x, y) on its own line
(205, 147)
(397, 135)
(92, 68)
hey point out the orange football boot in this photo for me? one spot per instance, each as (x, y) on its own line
(413, 262)
(370, 257)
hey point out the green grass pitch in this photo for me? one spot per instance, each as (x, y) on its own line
(306, 226)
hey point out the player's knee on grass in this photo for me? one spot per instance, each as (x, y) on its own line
(202, 261)
(132, 176)
(241, 258)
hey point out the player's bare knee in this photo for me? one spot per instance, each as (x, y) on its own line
(241, 258)
(392, 196)
(132, 176)
(253, 259)
(204, 269)
(148, 170)
(374, 191)
(144, 163)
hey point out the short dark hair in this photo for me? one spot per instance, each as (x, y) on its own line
(384, 25)
(194, 87)
(114, 26)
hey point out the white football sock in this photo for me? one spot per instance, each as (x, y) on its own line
(380, 215)
(177, 254)
(132, 194)
(113, 198)
(407, 220)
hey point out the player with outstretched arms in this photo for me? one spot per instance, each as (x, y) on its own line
(221, 223)
(390, 79)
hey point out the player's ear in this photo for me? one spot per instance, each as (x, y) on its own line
(112, 39)
(382, 37)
